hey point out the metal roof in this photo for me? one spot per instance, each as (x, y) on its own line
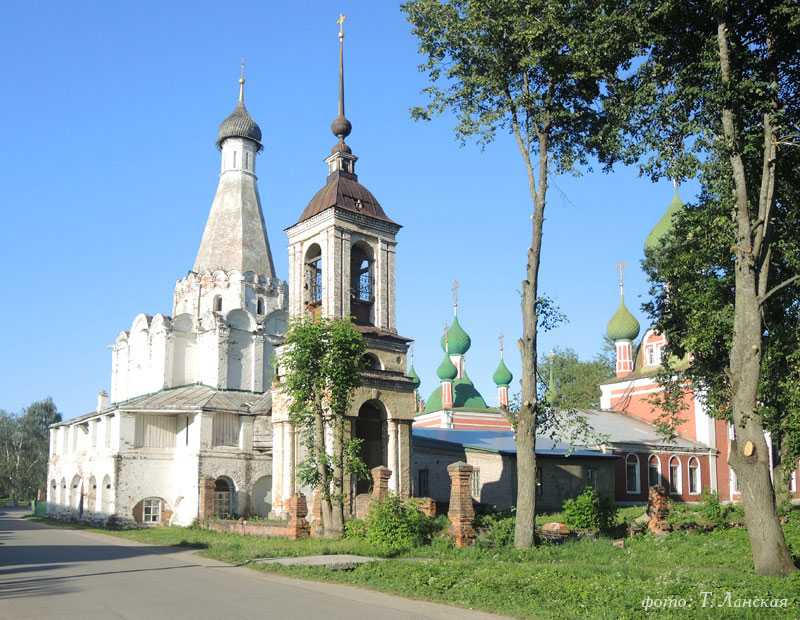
(343, 190)
(496, 441)
(194, 397)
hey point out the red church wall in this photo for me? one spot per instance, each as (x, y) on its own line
(636, 401)
(664, 458)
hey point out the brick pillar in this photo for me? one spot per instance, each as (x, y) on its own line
(380, 482)
(658, 510)
(316, 513)
(205, 505)
(461, 513)
(297, 509)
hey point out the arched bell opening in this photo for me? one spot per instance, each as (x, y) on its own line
(372, 428)
(362, 297)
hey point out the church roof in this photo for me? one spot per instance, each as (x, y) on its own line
(195, 397)
(465, 396)
(664, 225)
(623, 325)
(239, 124)
(343, 190)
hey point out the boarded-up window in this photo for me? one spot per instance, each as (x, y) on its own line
(226, 429)
(155, 431)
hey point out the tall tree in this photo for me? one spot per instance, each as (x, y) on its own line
(535, 68)
(572, 383)
(717, 96)
(25, 447)
(321, 365)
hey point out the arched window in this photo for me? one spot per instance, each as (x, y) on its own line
(695, 483)
(361, 283)
(313, 278)
(653, 471)
(260, 306)
(371, 362)
(675, 486)
(632, 474)
(218, 303)
(53, 487)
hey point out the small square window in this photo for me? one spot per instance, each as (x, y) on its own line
(152, 511)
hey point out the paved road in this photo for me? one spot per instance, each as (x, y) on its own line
(50, 572)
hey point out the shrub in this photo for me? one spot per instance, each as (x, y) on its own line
(589, 511)
(394, 525)
(495, 530)
(713, 511)
(356, 529)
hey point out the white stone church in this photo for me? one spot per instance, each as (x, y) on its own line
(196, 424)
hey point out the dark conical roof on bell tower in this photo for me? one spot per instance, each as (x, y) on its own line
(342, 189)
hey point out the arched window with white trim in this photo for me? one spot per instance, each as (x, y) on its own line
(632, 478)
(654, 471)
(695, 479)
(675, 486)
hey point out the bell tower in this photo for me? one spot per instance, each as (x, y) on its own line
(342, 265)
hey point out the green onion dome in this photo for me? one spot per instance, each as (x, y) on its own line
(447, 370)
(465, 396)
(502, 376)
(664, 225)
(623, 325)
(412, 374)
(458, 341)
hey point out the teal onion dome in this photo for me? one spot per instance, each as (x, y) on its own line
(502, 376)
(664, 225)
(458, 341)
(623, 325)
(447, 371)
(412, 374)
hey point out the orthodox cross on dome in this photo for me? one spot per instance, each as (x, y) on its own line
(444, 330)
(241, 81)
(501, 340)
(621, 271)
(454, 290)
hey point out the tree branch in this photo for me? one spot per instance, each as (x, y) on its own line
(775, 289)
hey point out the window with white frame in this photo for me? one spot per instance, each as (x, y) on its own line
(734, 481)
(653, 471)
(632, 474)
(476, 483)
(675, 485)
(151, 510)
(694, 477)
(652, 354)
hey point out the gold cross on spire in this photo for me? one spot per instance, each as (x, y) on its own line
(340, 21)
(454, 290)
(621, 271)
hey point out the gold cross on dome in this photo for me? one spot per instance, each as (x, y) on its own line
(340, 21)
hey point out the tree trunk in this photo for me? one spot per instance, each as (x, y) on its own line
(337, 501)
(749, 456)
(525, 528)
(325, 487)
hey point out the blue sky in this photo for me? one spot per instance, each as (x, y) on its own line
(109, 117)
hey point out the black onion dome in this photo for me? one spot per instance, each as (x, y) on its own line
(239, 124)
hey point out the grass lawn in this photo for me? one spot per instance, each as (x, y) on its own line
(580, 579)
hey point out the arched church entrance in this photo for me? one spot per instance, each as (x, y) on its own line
(371, 426)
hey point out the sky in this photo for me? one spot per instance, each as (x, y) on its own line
(109, 114)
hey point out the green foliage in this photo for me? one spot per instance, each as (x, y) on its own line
(571, 383)
(713, 510)
(589, 511)
(495, 530)
(355, 528)
(24, 449)
(395, 525)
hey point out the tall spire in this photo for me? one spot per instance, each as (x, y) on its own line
(241, 82)
(341, 127)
